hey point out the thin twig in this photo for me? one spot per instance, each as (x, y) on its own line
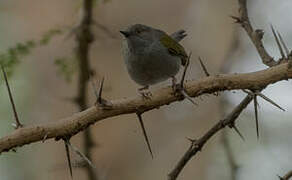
(255, 36)
(255, 104)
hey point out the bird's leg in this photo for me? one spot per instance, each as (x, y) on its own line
(144, 92)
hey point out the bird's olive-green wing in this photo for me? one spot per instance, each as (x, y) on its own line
(174, 48)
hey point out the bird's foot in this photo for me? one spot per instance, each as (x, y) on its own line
(145, 93)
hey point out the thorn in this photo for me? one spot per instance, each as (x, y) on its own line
(68, 157)
(283, 43)
(278, 42)
(100, 102)
(179, 88)
(81, 155)
(184, 93)
(203, 67)
(17, 124)
(139, 115)
(256, 114)
(99, 96)
(269, 100)
(264, 97)
(237, 131)
(185, 69)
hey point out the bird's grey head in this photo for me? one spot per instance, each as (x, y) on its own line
(141, 35)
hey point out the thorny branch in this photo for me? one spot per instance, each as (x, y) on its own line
(197, 145)
(256, 37)
(72, 125)
(67, 127)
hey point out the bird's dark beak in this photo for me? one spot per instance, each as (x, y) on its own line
(125, 33)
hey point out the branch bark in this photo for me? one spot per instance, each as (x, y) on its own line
(70, 126)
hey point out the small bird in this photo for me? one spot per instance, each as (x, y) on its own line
(152, 56)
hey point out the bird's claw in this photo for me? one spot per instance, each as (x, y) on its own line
(145, 94)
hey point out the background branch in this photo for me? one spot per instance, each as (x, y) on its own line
(84, 38)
